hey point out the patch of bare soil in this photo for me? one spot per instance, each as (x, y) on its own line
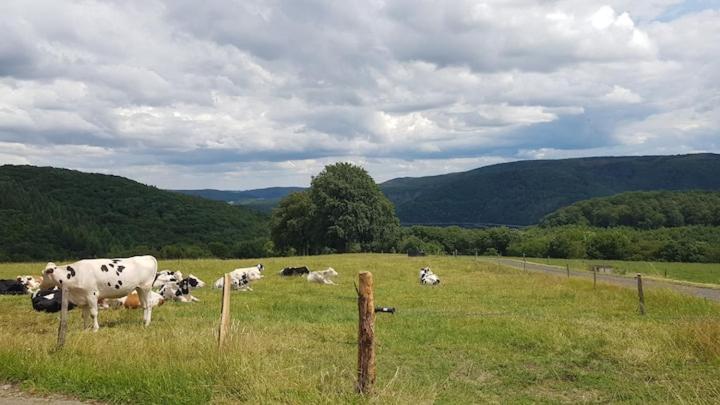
(12, 395)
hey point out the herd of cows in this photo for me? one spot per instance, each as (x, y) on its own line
(134, 282)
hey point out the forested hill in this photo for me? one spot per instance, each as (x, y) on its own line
(522, 193)
(643, 210)
(52, 214)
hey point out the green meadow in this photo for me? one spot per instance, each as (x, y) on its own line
(486, 334)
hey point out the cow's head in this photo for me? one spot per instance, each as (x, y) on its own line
(195, 282)
(28, 281)
(260, 267)
(58, 275)
(330, 272)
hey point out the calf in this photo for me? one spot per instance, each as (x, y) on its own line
(12, 287)
(88, 281)
(49, 300)
(428, 277)
(322, 277)
(294, 271)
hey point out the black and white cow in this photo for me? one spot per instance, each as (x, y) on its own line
(181, 291)
(88, 281)
(48, 300)
(428, 277)
(12, 287)
(250, 274)
(294, 271)
(167, 276)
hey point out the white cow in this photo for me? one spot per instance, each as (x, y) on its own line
(428, 277)
(322, 277)
(89, 280)
(242, 277)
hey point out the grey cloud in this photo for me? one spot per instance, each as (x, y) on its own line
(181, 84)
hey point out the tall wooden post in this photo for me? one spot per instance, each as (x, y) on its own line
(366, 335)
(62, 330)
(524, 261)
(224, 310)
(641, 296)
(567, 268)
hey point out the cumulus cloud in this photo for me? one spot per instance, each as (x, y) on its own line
(255, 93)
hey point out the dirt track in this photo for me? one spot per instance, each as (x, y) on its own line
(709, 293)
(11, 395)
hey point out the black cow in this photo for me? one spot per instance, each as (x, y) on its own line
(49, 301)
(294, 271)
(12, 287)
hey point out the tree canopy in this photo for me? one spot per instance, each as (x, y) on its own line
(343, 211)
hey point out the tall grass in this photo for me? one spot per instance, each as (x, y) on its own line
(486, 334)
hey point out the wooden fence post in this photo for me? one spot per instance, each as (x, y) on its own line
(524, 261)
(366, 335)
(224, 310)
(62, 330)
(641, 296)
(594, 277)
(567, 268)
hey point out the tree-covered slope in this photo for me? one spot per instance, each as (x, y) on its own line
(645, 210)
(522, 193)
(48, 213)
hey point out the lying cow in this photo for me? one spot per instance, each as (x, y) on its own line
(322, 277)
(181, 291)
(132, 300)
(90, 280)
(49, 300)
(294, 271)
(428, 277)
(236, 276)
(12, 287)
(167, 276)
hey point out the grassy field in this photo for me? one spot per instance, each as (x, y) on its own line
(707, 273)
(485, 335)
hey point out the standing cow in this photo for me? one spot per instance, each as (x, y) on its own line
(87, 281)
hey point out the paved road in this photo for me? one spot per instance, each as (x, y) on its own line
(709, 293)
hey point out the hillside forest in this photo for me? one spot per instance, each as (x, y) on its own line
(49, 214)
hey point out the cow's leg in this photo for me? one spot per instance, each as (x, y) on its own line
(85, 316)
(144, 295)
(93, 305)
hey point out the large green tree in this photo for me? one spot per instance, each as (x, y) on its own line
(344, 210)
(291, 223)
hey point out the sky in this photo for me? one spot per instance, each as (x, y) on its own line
(247, 94)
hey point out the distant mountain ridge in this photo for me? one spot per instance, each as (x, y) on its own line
(522, 193)
(516, 193)
(262, 199)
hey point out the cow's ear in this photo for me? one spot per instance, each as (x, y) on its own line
(19, 278)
